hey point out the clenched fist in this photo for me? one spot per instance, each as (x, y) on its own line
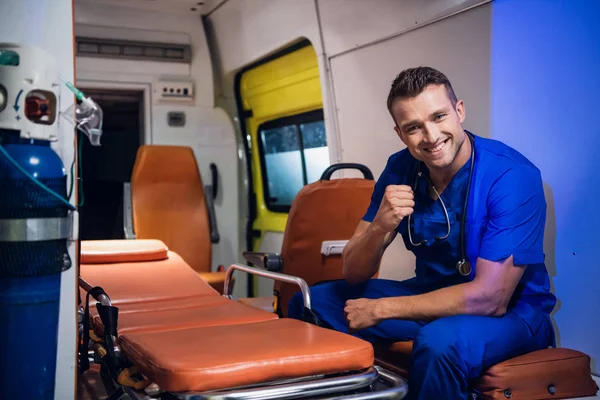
(397, 203)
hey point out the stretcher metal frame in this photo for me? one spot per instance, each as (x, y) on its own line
(325, 387)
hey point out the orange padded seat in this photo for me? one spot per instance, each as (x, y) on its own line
(216, 357)
(556, 373)
(217, 311)
(395, 357)
(530, 376)
(168, 203)
(215, 279)
(323, 210)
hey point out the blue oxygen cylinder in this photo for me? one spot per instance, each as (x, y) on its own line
(34, 229)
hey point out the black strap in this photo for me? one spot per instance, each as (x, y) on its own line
(84, 362)
(118, 395)
(110, 318)
(310, 317)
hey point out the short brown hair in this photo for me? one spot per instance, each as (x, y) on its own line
(412, 81)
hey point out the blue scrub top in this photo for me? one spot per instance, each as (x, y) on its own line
(506, 216)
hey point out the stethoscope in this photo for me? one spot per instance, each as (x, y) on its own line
(463, 266)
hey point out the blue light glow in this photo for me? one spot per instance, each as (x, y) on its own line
(545, 81)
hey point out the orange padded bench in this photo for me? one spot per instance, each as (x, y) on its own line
(178, 336)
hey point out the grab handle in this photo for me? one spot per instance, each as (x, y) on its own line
(214, 172)
(335, 167)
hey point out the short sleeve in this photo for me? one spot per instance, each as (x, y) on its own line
(517, 217)
(378, 193)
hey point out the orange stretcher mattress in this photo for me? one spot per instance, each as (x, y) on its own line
(217, 357)
(143, 281)
(185, 337)
(219, 311)
(112, 251)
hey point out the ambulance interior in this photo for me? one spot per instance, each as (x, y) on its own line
(240, 144)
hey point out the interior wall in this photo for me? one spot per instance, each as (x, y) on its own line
(208, 130)
(362, 80)
(244, 31)
(48, 25)
(113, 22)
(351, 24)
(544, 85)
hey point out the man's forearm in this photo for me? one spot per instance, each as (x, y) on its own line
(362, 255)
(467, 298)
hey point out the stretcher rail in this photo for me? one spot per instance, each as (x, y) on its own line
(102, 298)
(307, 389)
(270, 275)
(398, 389)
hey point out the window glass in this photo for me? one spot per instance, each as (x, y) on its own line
(283, 165)
(293, 153)
(316, 153)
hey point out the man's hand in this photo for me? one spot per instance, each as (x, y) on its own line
(397, 203)
(361, 314)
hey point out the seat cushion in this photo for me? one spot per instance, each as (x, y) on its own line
(168, 202)
(321, 211)
(550, 373)
(218, 357)
(217, 311)
(395, 357)
(531, 376)
(215, 279)
(147, 281)
(116, 251)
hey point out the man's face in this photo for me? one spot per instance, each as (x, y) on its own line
(430, 126)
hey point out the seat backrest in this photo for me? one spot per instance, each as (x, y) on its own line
(326, 210)
(168, 203)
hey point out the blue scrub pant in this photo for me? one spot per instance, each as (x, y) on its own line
(448, 352)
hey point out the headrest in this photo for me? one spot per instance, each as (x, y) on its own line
(165, 164)
(117, 251)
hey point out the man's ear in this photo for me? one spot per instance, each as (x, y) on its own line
(461, 111)
(399, 133)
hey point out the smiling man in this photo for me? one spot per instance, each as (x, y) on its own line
(473, 211)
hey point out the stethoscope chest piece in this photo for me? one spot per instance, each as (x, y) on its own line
(464, 267)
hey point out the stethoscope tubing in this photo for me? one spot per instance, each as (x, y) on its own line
(463, 266)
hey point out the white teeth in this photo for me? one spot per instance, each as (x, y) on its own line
(437, 148)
